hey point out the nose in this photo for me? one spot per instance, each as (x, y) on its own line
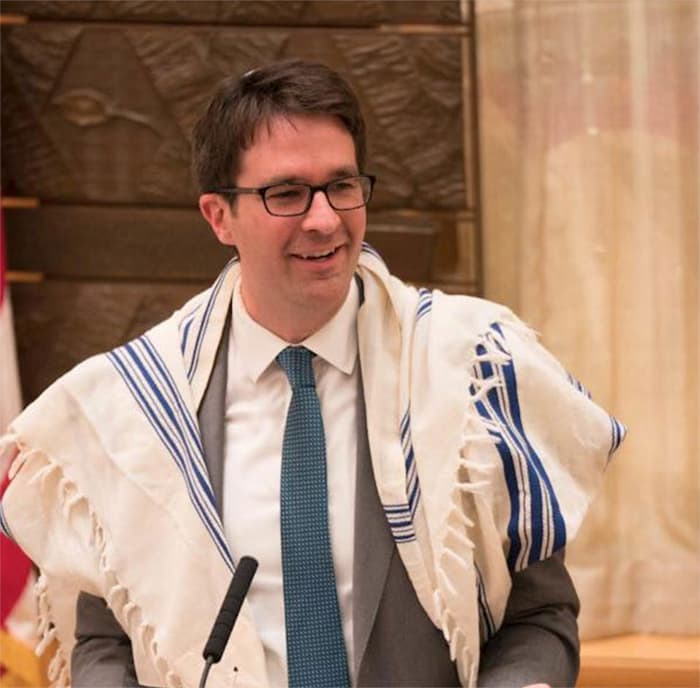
(320, 216)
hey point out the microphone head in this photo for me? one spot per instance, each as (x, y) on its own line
(230, 607)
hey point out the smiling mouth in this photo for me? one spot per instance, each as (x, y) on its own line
(317, 255)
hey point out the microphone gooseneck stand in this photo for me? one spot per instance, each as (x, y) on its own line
(226, 618)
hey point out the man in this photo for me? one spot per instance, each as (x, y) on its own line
(406, 466)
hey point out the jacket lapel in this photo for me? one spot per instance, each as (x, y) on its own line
(373, 544)
(211, 415)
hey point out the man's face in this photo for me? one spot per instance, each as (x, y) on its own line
(284, 281)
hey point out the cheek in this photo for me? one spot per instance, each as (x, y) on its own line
(265, 248)
(359, 225)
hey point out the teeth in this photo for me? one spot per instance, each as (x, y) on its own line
(325, 254)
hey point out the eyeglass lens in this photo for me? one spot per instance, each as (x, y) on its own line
(293, 199)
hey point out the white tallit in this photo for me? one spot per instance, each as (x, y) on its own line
(486, 455)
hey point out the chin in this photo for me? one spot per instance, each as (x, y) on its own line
(327, 293)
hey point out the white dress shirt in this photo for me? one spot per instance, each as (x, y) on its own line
(257, 398)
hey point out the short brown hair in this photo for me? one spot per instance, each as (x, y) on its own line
(239, 106)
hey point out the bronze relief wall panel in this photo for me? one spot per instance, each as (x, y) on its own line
(59, 323)
(99, 113)
(250, 12)
(99, 98)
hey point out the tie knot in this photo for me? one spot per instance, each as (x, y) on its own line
(296, 363)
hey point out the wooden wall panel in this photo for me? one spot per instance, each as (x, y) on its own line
(266, 12)
(98, 101)
(70, 314)
(169, 244)
(59, 323)
(103, 113)
(115, 243)
(102, 287)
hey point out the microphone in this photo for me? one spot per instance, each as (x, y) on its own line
(226, 618)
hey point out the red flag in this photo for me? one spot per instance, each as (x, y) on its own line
(18, 664)
(10, 400)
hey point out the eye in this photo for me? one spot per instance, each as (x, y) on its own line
(285, 192)
(349, 184)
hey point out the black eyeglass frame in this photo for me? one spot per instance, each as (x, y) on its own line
(262, 190)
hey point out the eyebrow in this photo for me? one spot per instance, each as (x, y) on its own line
(335, 174)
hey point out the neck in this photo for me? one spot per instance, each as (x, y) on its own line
(293, 325)
(297, 330)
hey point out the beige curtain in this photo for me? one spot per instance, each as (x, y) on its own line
(589, 117)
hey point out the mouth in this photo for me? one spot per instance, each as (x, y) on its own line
(317, 256)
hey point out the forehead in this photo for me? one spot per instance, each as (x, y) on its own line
(310, 147)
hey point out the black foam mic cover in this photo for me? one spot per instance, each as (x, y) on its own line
(230, 607)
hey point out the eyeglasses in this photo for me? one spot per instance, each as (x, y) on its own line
(289, 199)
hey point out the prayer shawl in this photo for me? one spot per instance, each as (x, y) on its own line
(485, 451)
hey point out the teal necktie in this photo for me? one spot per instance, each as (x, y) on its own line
(315, 647)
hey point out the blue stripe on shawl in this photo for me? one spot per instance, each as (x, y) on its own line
(617, 429)
(618, 432)
(509, 474)
(400, 516)
(577, 384)
(199, 338)
(150, 385)
(485, 614)
(183, 414)
(185, 328)
(425, 303)
(4, 525)
(412, 484)
(181, 420)
(413, 487)
(176, 412)
(545, 531)
(372, 251)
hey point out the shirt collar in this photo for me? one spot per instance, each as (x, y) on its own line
(335, 342)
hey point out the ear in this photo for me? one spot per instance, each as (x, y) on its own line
(217, 212)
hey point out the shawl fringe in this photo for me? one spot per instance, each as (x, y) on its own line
(115, 593)
(453, 566)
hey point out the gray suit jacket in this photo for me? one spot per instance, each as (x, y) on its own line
(395, 642)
